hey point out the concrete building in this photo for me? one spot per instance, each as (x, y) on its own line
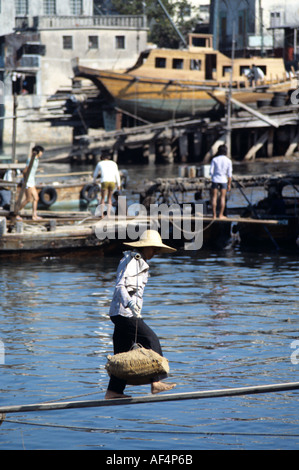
(259, 26)
(7, 13)
(42, 39)
(199, 9)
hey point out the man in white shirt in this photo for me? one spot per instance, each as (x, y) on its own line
(221, 173)
(110, 179)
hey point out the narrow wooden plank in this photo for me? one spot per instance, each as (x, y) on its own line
(12, 166)
(226, 392)
(56, 175)
(256, 113)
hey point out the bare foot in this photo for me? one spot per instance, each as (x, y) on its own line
(158, 387)
(2, 418)
(36, 217)
(18, 217)
(110, 395)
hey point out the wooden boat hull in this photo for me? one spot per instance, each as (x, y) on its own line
(80, 192)
(65, 242)
(282, 235)
(159, 99)
(164, 109)
(49, 194)
(67, 239)
(151, 99)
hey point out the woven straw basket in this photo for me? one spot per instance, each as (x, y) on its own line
(138, 366)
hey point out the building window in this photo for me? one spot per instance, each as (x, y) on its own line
(21, 7)
(50, 7)
(24, 84)
(120, 42)
(93, 42)
(67, 42)
(223, 30)
(240, 26)
(184, 10)
(275, 19)
(204, 8)
(76, 7)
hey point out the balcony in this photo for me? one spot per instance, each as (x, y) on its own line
(76, 22)
(29, 62)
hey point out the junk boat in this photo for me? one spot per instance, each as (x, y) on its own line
(170, 84)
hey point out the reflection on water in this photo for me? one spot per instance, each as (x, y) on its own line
(224, 320)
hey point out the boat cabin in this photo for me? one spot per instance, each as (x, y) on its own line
(201, 63)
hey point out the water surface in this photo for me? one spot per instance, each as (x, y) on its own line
(224, 319)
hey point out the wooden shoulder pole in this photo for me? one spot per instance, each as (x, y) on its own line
(226, 392)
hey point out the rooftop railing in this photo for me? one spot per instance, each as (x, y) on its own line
(74, 22)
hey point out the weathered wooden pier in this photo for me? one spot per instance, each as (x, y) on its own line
(269, 129)
(63, 234)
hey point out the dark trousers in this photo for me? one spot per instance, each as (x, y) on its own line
(124, 337)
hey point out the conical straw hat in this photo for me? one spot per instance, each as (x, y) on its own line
(151, 238)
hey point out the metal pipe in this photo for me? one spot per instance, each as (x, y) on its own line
(172, 24)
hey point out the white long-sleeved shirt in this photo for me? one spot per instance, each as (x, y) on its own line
(109, 172)
(131, 278)
(221, 169)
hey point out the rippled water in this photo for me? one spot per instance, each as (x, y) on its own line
(224, 319)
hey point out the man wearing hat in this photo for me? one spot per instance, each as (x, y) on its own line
(126, 305)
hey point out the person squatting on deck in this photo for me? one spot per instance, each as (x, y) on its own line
(110, 179)
(126, 305)
(221, 172)
(31, 194)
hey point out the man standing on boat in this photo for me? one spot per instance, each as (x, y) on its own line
(255, 74)
(221, 172)
(110, 179)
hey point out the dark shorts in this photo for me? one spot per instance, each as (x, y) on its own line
(219, 185)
